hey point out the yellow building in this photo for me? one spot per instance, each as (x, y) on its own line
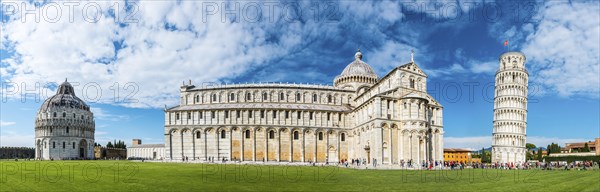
(459, 155)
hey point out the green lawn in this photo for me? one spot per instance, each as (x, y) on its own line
(135, 176)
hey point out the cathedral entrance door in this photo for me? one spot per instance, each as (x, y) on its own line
(368, 151)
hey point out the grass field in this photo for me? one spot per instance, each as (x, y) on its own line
(136, 176)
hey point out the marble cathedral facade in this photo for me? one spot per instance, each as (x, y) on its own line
(385, 119)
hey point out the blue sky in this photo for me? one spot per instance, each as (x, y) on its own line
(148, 49)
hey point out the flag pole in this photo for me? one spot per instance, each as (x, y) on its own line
(508, 44)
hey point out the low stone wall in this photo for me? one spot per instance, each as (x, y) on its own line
(17, 152)
(572, 154)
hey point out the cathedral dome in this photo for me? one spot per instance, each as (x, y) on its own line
(65, 97)
(358, 67)
(357, 75)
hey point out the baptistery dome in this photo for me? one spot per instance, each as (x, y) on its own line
(357, 76)
(64, 127)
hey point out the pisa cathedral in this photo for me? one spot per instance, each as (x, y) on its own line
(383, 120)
(510, 109)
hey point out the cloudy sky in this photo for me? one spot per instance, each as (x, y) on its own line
(127, 59)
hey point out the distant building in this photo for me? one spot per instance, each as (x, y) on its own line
(109, 153)
(147, 151)
(578, 147)
(575, 149)
(460, 155)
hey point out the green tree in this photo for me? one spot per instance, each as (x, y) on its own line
(109, 145)
(539, 154)
(553, 148)
(586, 148)
(483, 159)
(530, 146)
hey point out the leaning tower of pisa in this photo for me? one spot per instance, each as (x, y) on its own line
(510, 109)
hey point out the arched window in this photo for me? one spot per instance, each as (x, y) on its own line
(73, 145)
(247, 134)
(214, 97)
(232, 97)
(264, 96)
(53, 144)
(177, 116)
(320, 136)
(50, 130)
(412, 83)
(73, 115)
(343, 137)
(248, 96)
(64, 144)
(329, 99)
(295, 135)
(198, 135)
(271, 134)
(222, 134)
(67, 129)
(197, 98)
(281, 96)
(81, 116)
(314, 97)
(64, 114)
(54, 115)
(298, 96)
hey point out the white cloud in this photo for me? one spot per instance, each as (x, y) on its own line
(100, 133)
(475, 143)
(99, 113)
(465, 65)
(15, 140)
(147, 60)
(564, 50)
(153, 58)
(389, 55)
(484, 67)
(6, 123)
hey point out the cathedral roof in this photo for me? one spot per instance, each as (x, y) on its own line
(358, 67)
(65, 97)
(293, 106)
